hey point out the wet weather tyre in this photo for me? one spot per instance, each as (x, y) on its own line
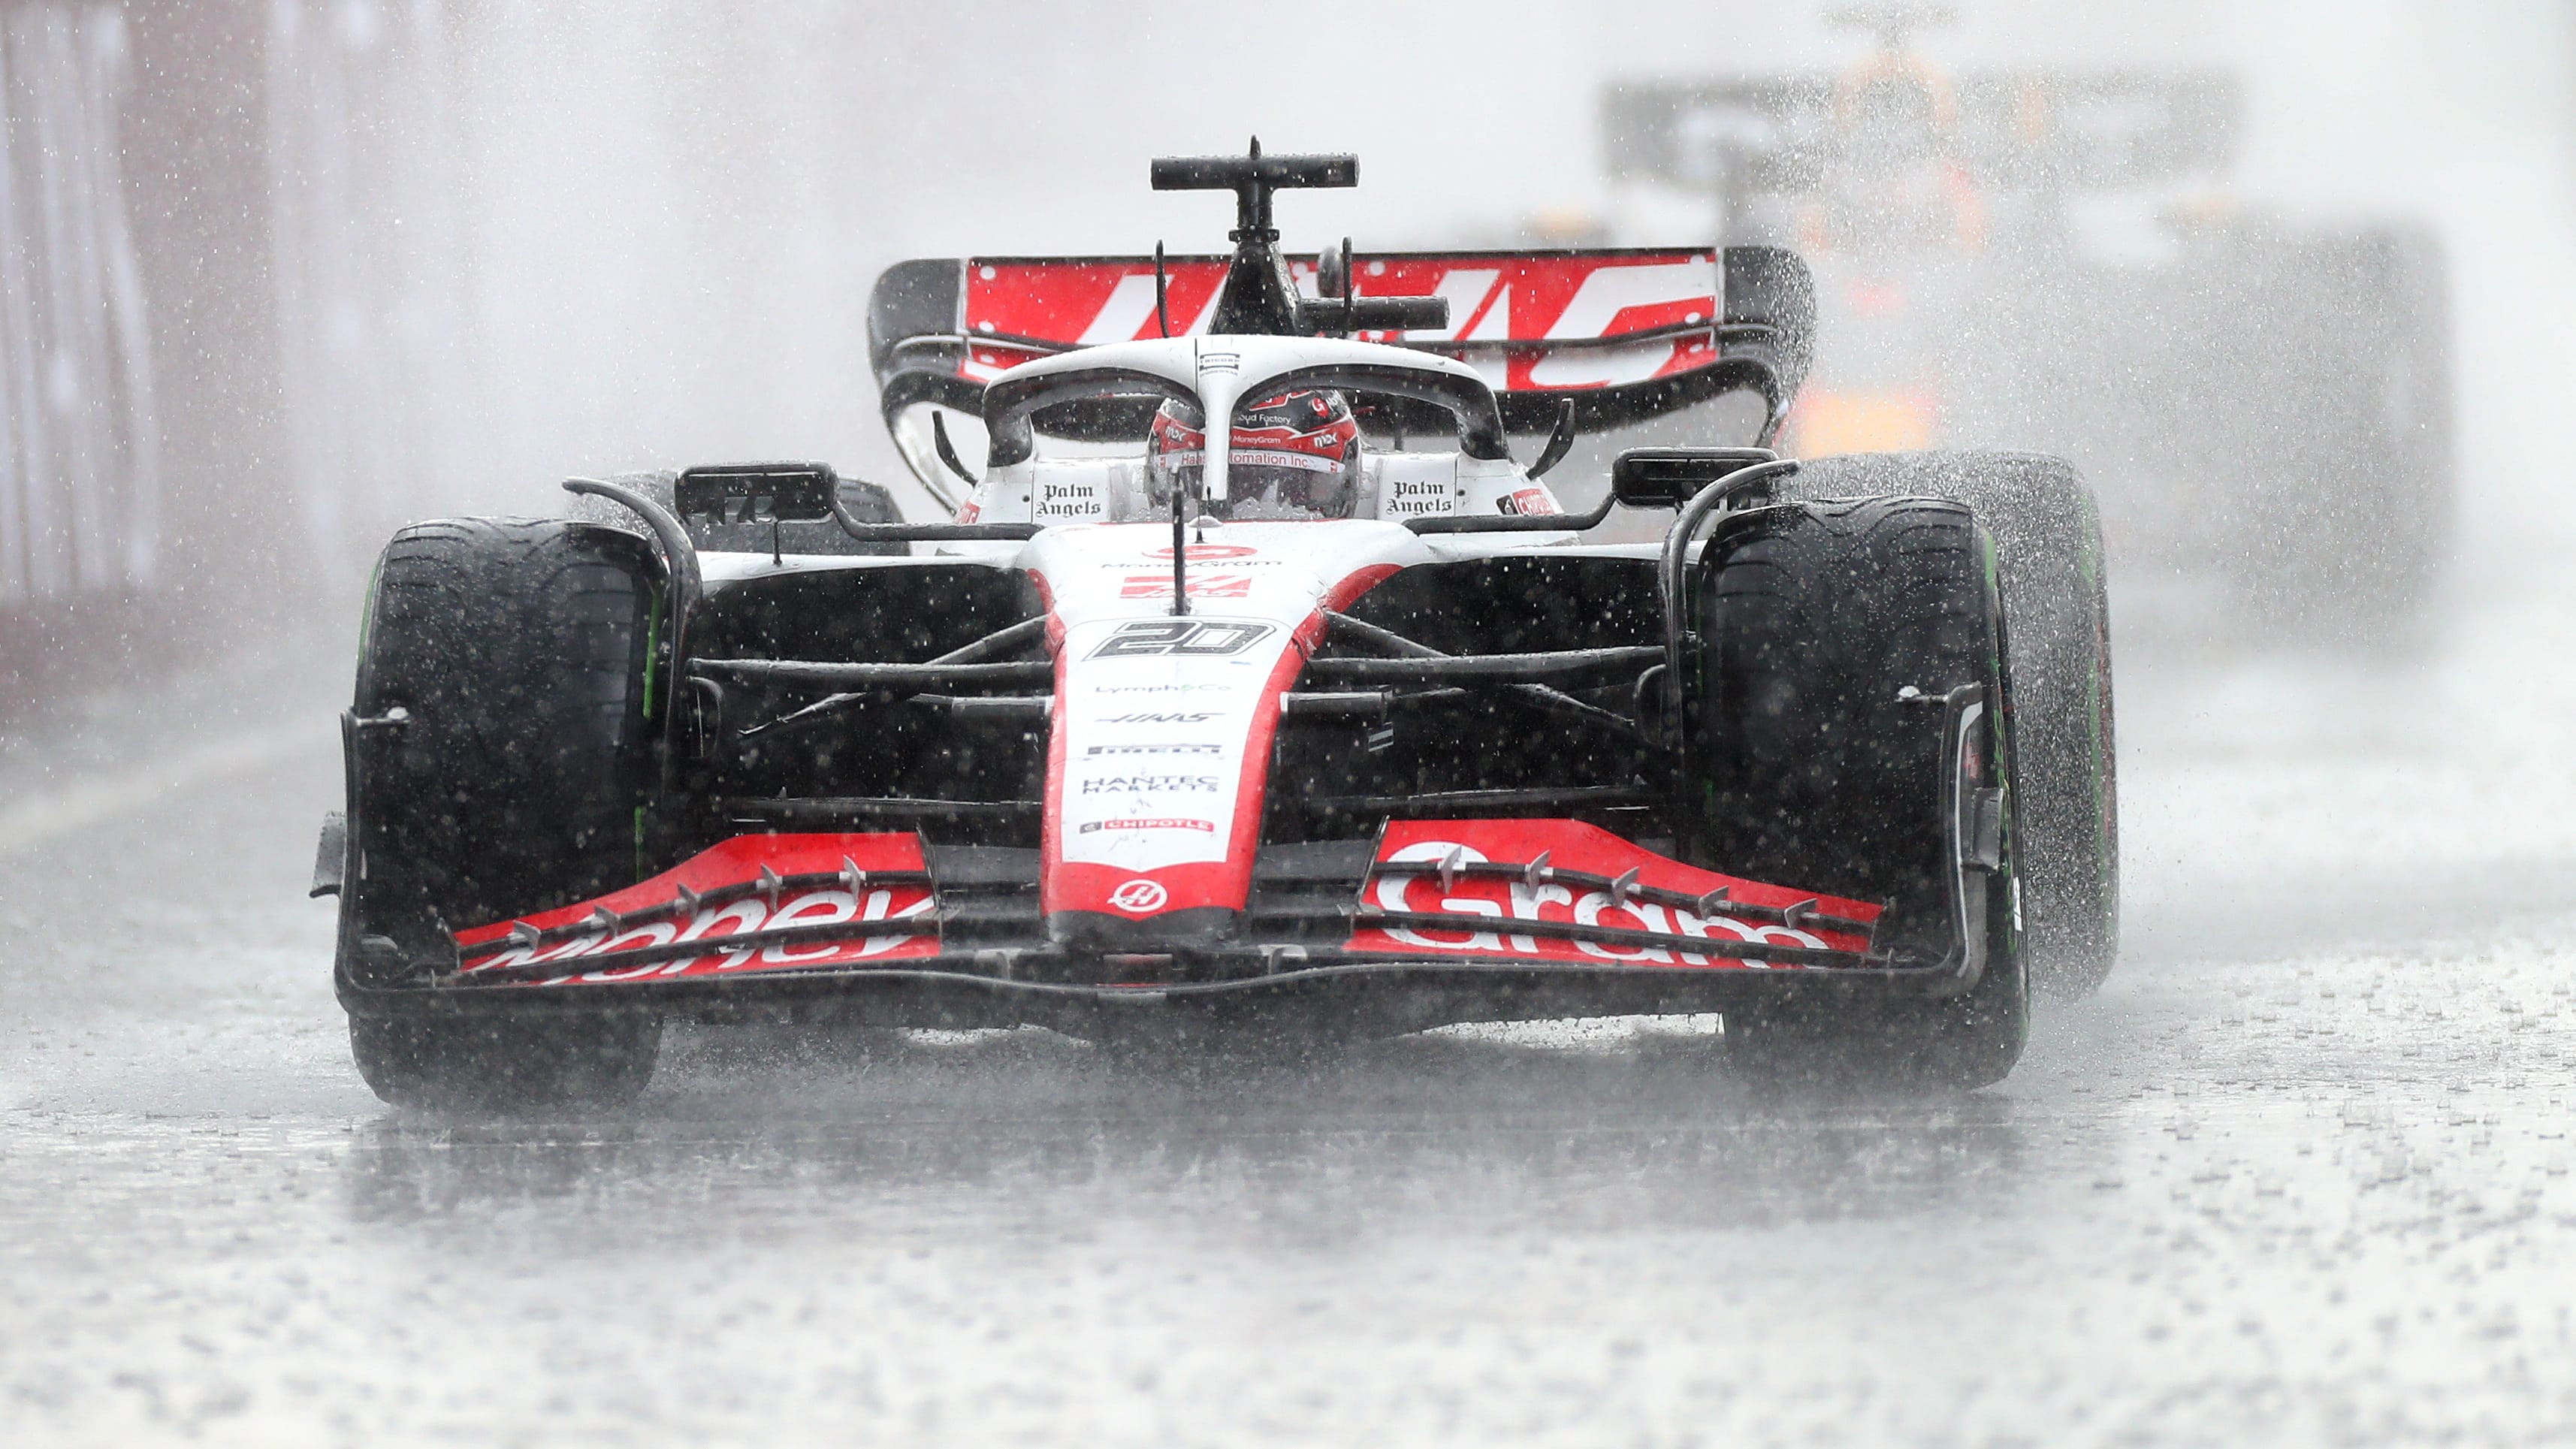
(500, 1064)
(505, 671)
(2048, 544)
(1815, 618)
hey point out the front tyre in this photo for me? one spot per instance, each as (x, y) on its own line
(1820, 619)
(506, 707)
(503, 1064)
(2048, 550)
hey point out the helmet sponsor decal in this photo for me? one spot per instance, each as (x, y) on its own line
(1291, 456)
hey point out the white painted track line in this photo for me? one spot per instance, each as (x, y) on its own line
(35, 819)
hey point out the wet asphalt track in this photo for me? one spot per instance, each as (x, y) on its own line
(2299, 1175)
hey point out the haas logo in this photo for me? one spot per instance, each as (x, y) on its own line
(1139, 896)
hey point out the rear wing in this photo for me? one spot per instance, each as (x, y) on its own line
(2013, 129)
(1624, 335)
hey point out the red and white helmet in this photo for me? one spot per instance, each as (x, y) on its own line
(1296, 455)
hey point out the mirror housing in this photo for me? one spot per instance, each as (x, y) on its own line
(757, 492)
(1333, 270)
(1667, 477)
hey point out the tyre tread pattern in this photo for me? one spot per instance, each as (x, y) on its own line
(516, 648)
(1815, 616)
(2048, 544)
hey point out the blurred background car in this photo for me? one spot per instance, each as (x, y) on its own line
(2058, 256)
(345, 263)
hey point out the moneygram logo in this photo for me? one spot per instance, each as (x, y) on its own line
(1200, 551)
(1139, 896)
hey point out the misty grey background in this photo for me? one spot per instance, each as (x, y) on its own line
(2300, 1174)
(675, 211)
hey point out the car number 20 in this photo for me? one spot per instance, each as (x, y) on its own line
(1203, 637)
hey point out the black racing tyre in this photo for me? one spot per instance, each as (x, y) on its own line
(2048, 543)
(506, 664)
(1815, 617)
(504, 1064)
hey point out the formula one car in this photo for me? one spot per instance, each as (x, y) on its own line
(1254, 688)
(2050, 258)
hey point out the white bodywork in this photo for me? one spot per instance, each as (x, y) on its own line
(1160, 750)
(1160, 737)
(1160, 742)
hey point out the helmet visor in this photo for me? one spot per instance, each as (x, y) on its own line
(1261, 483)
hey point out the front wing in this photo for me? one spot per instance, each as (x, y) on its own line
(1435, 921)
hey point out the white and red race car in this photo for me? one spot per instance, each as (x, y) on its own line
(1132, 744)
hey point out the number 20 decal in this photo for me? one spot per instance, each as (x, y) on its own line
(1202, 637)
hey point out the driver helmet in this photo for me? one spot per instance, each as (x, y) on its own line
(1295, 456)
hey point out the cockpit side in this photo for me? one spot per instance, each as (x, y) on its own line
(1073, 438)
